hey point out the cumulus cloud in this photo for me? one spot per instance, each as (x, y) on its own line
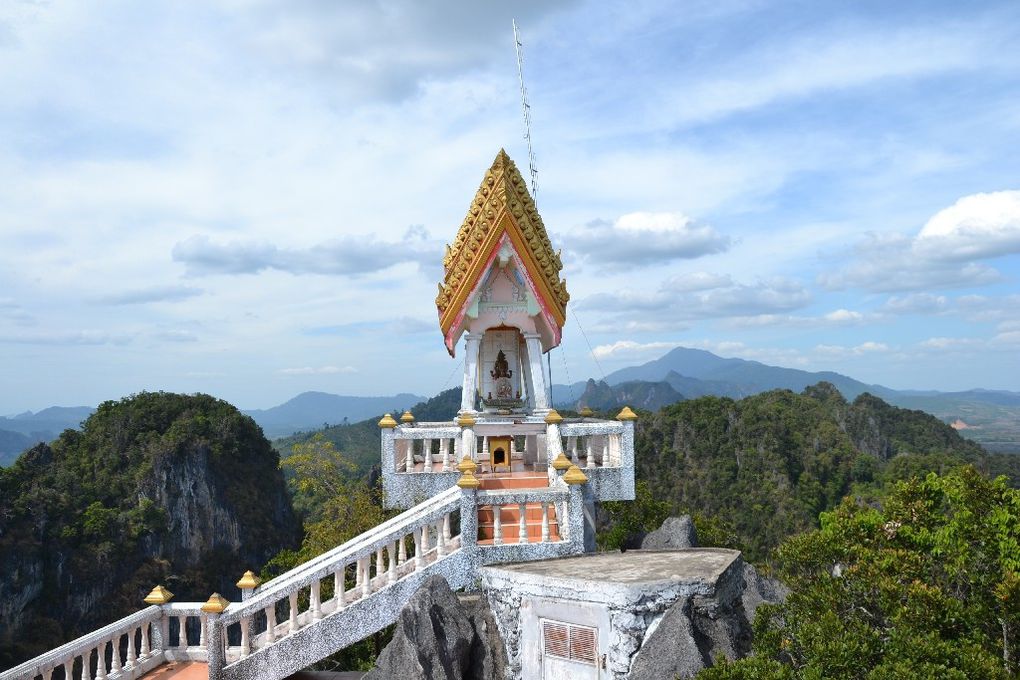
(724, 299)
(869, 347)
(348, 256)
(946, 253)
(643, 238)
(320, 370)
(143, 296)
(975, 227)
(916, 303)
(85, 337)
(628, 349)
(838, 317)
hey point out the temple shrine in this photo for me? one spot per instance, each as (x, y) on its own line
(502, 498)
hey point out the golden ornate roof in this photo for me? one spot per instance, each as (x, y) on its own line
(502, 204)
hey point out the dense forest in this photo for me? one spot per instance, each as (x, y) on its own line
(186, 490)
(156, 488)
(762, 468)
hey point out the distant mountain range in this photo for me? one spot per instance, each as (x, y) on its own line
(24, 430)
(314, 410)
(990, 417)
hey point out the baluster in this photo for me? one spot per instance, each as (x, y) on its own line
(115, 667)
(425, 539)
(366, 576)
(497, 525)
(440, 540)
(419, 560)
(545, 522)
(572, 443)
(402, 550)
(146, 647)
(426, 449)
(522, 533)
(293, 612)
(203, 624)
(391, 570)
(409, 460)
(590, 451)
(69, 669)
(270, 623)
(101, 662)
(444, 451)
(447, 532)
(605, 450)
(245, 641)
(339, 578)
(380, 567)
(315, 599)
(50, 672)
(131, 657)
(485, 451)
(182, 635)
(86, 665)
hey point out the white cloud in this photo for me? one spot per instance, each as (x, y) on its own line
(643, 238)
(321, 370)
(975, 227)
(628, 349)
(946, 253)
(869, 347)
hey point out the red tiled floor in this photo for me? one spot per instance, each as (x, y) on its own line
(191, 670)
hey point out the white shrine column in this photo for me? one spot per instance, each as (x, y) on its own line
(473, 342)
(540, 392)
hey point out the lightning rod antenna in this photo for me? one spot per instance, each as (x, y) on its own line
(526, 110)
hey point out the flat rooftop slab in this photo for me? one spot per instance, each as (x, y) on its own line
(632, 567)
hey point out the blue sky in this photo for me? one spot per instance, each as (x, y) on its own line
(250, 199)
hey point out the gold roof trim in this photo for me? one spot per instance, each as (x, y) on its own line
(502, 203)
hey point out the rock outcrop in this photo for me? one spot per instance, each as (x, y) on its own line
(182, 490)
(674, 534)
(441, 636)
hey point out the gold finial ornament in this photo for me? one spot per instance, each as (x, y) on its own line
(387, 422)
(249, 580)
(468, 480)
(553, 417)
(466, 420)
(586, 412)
(407, 417)
(466, 464)
(626, 414)
(159, 595)
(561, 462)
(574, 476)
(216, 604)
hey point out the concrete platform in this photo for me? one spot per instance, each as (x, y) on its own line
(632, 567)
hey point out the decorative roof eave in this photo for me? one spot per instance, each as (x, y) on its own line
(546, 311)
(501, 204)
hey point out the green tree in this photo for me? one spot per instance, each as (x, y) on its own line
(926, 586)
(338, 506)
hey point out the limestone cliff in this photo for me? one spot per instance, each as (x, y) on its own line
(157, 488)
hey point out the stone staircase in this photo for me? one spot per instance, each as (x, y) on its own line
(335, 599)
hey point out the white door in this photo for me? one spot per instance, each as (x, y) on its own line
(569, 652)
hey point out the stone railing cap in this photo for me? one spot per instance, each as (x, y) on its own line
(387, 422)
(626, 414)
(249, 580)
(216, 604)
(574, 476)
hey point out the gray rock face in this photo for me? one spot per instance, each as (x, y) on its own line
(439, 637)
(695, 631)
(674, 534)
